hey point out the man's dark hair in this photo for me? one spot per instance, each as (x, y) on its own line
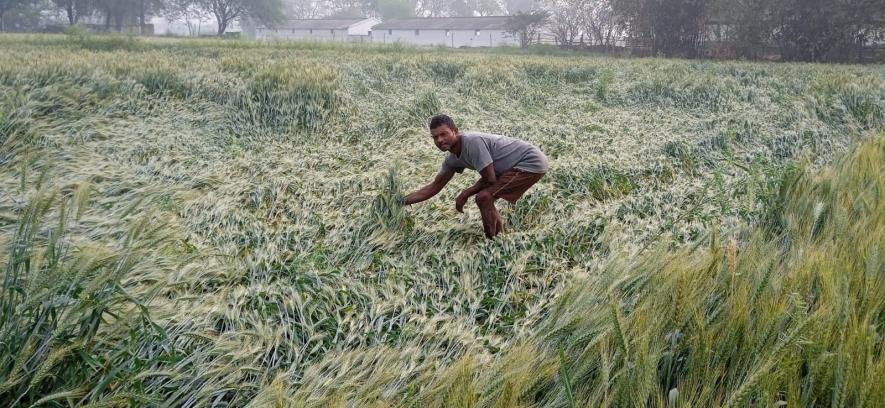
(440, 120)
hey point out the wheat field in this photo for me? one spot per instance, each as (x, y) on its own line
(214, 223)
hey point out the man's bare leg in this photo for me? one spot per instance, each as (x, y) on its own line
(491, 220)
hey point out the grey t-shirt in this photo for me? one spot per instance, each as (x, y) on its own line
(478, 150)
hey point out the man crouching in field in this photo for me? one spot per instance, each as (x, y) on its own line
(508, 168)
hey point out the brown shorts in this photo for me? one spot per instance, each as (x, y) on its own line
(512, 184)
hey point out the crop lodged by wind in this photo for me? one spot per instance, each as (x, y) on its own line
(216, 223)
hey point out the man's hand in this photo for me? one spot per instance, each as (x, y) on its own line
(429, 190)
(461, 200)
(488, 178)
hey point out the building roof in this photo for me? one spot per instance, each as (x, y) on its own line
(320, 23)
(446, 23)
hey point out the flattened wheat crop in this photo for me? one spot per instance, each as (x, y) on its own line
(216, 223)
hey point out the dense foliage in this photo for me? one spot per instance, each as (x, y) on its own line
(813, 30)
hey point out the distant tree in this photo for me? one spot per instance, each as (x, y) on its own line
(396, 9)
(803, 30)
(515, 7)
(115, 12)
(119, 13)
(750, 24)
(671, 27)
(601, 25)
(28, 15)
(868, 20)
(74, 9)
(526, 26)
(267, 12)
(470, 8)
(350, 8)
(5, 7)
(824, 30)
(146, 8)
(566, 20)
(433, 8)
(486, 7)
(189, 11)
(352, 12)
(305, 8)
(460, 8)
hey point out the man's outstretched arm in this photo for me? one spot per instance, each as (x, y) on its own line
(429, 190)
(488, 178)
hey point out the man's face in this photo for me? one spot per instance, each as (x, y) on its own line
(444, 137)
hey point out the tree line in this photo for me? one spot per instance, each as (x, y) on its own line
(797, 30)
(115, 15)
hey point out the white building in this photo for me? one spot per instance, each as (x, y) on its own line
(449, 31)
(343, 30)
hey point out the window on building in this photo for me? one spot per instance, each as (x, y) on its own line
(311, 31)
(447, 33)
(476, 34)
(417, 32)
(390, 32)
(332, 31)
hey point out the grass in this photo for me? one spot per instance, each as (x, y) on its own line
(213, 222)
